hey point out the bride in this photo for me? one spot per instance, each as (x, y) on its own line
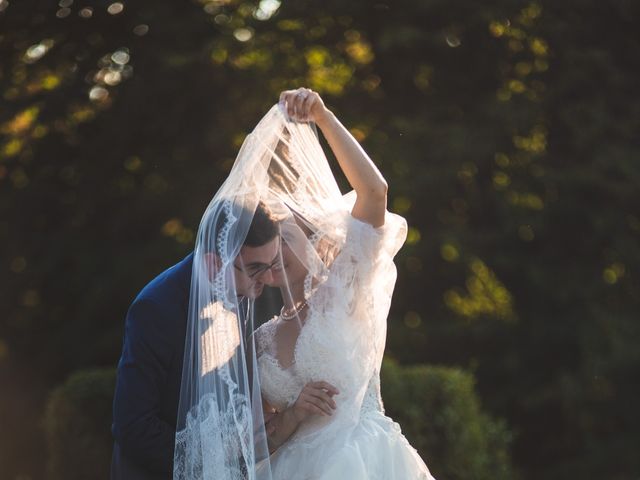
(319, 360)
(299, 398)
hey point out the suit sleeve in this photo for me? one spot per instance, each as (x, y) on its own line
(144, 438)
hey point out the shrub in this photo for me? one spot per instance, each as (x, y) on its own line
(440, 415)
(77, 425)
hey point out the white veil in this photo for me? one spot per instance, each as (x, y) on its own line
(220, 431)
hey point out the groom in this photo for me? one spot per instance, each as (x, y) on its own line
(150, 369)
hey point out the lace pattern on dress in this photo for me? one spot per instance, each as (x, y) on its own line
(280, 386)
(372, 401)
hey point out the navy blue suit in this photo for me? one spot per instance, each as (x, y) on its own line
(149, 376)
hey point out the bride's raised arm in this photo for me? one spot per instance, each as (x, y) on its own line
(365, 178)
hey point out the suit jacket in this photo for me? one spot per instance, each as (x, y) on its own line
(149, 375)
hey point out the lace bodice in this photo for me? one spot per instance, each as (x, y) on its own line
(312, 362)
(280, 386)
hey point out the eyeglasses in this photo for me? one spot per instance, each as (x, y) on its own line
(257, 269)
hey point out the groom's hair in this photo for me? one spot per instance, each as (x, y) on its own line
(263, 228)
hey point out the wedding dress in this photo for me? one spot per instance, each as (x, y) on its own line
(358, 441)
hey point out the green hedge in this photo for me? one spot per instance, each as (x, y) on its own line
(440, 415)
(78, 426)
(436, 407)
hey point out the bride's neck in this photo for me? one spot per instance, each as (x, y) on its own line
(292, 296)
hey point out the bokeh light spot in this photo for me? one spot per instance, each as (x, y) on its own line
(412, 319)
(115, 8)
(141, 30)
(37, 51)
(21, 122)
(121, 56)
(613, 273)
(266, 9)
(413, 236)
(525, 232)
(449, 252)
(243, 34)
(18, 264)
(98, 94)
(501, 180)
(31, 298)
(133, 164)
(401, 204)
(453, 41)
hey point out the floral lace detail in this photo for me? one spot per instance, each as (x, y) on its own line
(372, 402)
(264, 336)
(280, 386)
(222, 243)
(216, 432)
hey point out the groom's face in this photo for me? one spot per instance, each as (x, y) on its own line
(253, 267)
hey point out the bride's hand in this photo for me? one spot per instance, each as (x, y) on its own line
(303, 105)
(316, 398)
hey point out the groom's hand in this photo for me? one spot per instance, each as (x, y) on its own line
(269, 413)
(316, 398)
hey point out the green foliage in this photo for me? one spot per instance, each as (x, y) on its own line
(440, 414)
(78, 426)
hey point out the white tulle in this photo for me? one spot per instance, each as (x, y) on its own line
(220, 423)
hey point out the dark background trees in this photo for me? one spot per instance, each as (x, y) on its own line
(508, 132)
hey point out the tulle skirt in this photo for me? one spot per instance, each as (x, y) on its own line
(375, 448)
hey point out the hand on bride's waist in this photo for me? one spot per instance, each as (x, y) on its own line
(315, 399)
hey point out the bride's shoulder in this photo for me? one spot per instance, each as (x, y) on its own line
(267, 326)
(264, 333)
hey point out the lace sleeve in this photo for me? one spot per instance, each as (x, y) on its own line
(368, 242)
(363, 274)
(373, 242)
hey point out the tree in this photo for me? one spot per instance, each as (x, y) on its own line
(507, 133)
